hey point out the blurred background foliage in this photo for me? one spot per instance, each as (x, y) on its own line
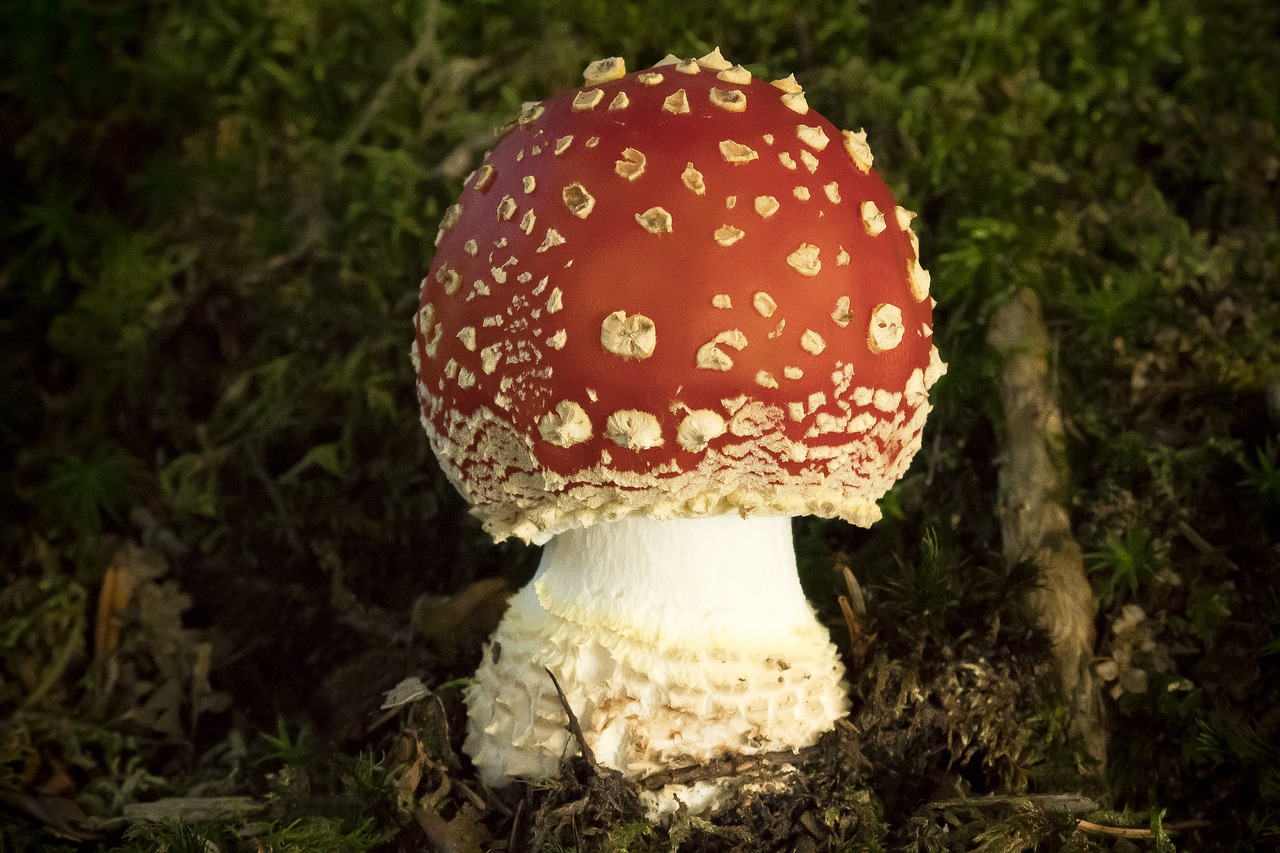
(224, 535)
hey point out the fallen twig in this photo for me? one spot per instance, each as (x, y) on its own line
(574, 728)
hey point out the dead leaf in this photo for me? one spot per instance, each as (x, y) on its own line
(444, 621)
(462, 834)
(130, 567)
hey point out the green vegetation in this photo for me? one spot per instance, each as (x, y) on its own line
(217, 506)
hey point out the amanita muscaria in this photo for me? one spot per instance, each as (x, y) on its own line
(670, 310)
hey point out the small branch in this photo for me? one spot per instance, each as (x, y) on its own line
(1134, 832)
(1035, 524)
(1113, 831)
(728, 766)
(574, 728)
(1068, 803)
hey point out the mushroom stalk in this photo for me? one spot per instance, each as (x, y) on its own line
(675, 642)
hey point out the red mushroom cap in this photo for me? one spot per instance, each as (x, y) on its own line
(679, 292)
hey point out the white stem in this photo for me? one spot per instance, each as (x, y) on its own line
(675, 642)
(722, 582)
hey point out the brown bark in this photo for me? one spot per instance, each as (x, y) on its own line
(1034, 487)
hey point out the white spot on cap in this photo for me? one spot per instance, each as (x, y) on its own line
(634, 429)
(448, 277)
(918, 278)
(766, 206)
(578, 200)
(872, 218)
(736, 152)
(530, 111)
(484, 176)
(787, 160)
(655, 220)
(620, 101)
(432, 341)
(526, 221)
(765, 379)
(804, 260)
(529, 183)
(736, 75)
(698, 429)
(557, 340)
(649, 78)
(842, 315)
(886, 329)
(692, 179)
(669, 59)
(688, 66)
(792, 372)
(604, 70)
(552, 239)
(714, 61)
(859, 150)
(796, 102)
(631, 166)
(711, 357)
(730, 202)
(566, 426)
(506, 208)
(727, 235)
(729, 99)
(562, 144)
(677, 102)
(787, 84)
(842, 259)
(489, 358)
(812, 342)
(587, 99)
(629, 336)
(555, 301)
(813, 136)
(764, 304)
(887, 401)
(466, 378)
(916, 393)
(810, 161)
(801, 193)
(721, 300)
(935, 369)
(833, 192)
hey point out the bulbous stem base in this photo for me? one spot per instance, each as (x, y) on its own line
(675, 642)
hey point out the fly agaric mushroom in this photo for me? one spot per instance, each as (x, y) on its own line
(670, 310)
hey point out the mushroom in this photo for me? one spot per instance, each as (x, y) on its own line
(646, 341)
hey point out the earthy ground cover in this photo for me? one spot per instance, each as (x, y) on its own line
(224, 538)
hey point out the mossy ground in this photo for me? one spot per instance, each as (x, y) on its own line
(224, 537)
